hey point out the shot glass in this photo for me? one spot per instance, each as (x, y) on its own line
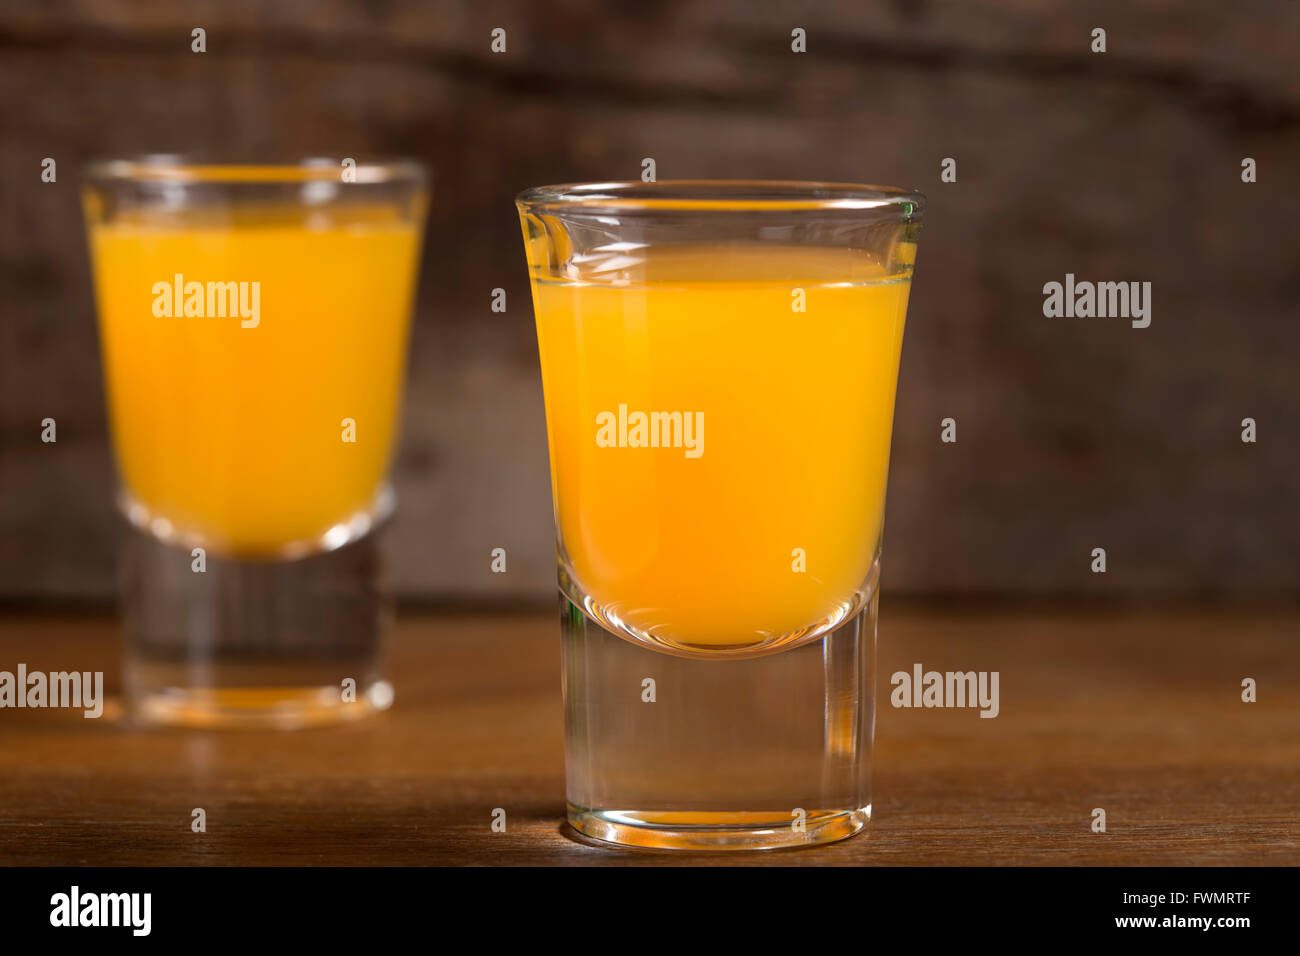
(253, 323)
(719, 362)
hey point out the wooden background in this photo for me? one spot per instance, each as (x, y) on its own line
(1073, 434)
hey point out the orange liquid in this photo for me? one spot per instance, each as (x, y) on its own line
(234, 435)
(704, 552)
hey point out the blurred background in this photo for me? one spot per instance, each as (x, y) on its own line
(1072, 433)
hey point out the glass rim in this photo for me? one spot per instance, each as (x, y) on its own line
(721, 195)
(187, 169)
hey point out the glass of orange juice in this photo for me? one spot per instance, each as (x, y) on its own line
(719, 362)
(254, 323)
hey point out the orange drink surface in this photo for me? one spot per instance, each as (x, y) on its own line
(752, 516)
(229, 426)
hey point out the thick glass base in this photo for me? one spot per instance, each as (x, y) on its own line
(158, 699)
(261, 643)
(714, 831)
(698, 753)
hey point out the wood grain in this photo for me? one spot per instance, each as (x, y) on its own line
(1134, 710)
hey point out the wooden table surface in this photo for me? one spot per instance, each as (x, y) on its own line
(1137, 711)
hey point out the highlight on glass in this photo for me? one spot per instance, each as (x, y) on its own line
(254, 323)
(719, 362)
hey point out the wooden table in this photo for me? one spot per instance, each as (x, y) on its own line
(1135, 710)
